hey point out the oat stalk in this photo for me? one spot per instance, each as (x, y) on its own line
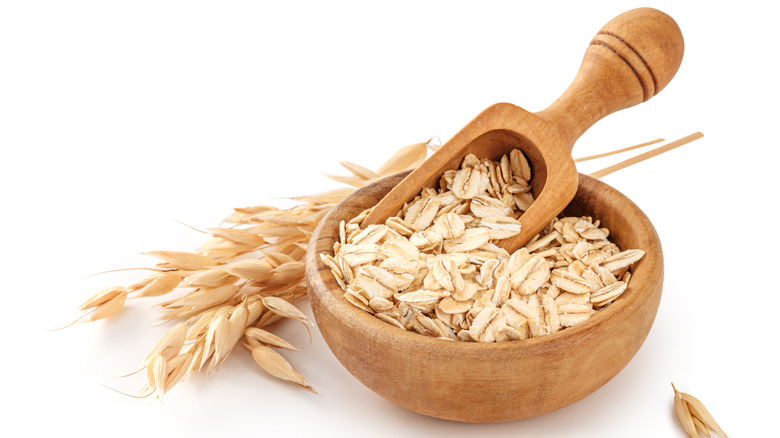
(644, 156)
(246, 276)
(617, 151)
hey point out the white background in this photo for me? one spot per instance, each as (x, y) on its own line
(118, 119)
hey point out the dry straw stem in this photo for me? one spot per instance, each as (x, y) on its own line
(247, 275)
(649, 154)
(617, 151)
(694, 416)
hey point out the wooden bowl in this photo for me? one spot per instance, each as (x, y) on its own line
(475, 382)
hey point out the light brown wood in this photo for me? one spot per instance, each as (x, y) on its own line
(630, 60)
(505, 381)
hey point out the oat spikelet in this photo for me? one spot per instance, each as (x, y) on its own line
(183, 260)
(699, 415)
(407, 157)
(177, 370)
(236, 325)
(102, 297)
(170, 344)
(210, 278)
(155, 375)
(684, 414)
(274, 364)
(359, 171)
(216, 340)
(260, 336)
(238, 236)
(285, 309)
(159, 284)
(108, 308)
(256, 270)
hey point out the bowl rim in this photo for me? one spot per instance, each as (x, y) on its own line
(325, 289)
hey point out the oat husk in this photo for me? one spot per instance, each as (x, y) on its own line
(694, 416)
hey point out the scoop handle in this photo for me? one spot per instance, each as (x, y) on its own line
(630, 60)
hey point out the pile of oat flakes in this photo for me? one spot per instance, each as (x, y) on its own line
(435, 268)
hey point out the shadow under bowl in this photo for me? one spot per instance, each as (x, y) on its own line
(491, 382)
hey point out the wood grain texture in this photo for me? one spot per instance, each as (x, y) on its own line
(630, 60)
(473, 382)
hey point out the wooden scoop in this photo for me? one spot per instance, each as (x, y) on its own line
(629, 61)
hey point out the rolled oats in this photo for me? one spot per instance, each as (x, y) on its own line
(435, 268)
